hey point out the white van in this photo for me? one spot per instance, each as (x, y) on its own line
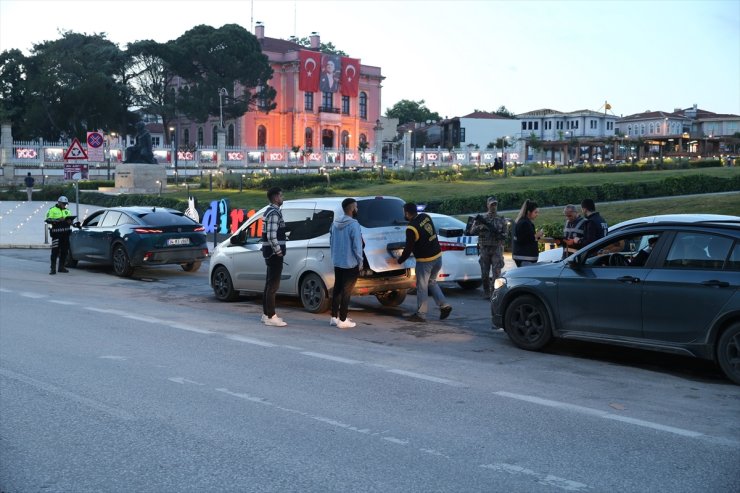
(237, 266)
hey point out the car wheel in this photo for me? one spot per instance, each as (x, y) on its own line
(728, 352)
(392, 298)
(314, 296)
(121, 264)
(470, 284)
(191, 267)
(223, 288)
(527, 323)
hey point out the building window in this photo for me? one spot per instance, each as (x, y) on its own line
(559, 125)
(200, 136)
(308, 138)
(155, 141)
(363, 105)
(261, 137)
(308, 101)
(652, 130)
(524, 125)
(230, 135)
(576, 123)
(214, 134)
(327, 101)
(536, 125)
(345, 105)
(642, 129)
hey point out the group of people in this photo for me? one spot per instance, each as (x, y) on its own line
(346, 254)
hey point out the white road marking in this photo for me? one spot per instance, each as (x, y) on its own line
(607, 415)
(3, 290)
(62, 302)
(546, 479)
(53, 389)
(144, 318)
(397, 441)
(189, 328)
(249, 340)
(183, 381)
(331, 358)
(428, 378)
(34, 296)
(119, 358)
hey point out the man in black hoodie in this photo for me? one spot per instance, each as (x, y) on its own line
(595, 227)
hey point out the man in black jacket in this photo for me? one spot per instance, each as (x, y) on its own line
(595, 227)
(422, 241)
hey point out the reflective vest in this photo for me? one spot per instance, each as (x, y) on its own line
(53, 217)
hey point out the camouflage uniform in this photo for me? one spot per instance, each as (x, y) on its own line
(491, 230)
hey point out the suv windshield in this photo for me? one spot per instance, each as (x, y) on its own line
(380, 212)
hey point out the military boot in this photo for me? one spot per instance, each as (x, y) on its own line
(53, 270)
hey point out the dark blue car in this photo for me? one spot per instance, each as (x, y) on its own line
(129, 237)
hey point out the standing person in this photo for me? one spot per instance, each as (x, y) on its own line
(422, 241)
(526, 250)
(273, 251)
(29, 181)
(491, 231)
(595, 227)
(572, 230)
(346, 255)
(61, 221)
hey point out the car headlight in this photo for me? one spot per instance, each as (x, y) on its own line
(499, 283)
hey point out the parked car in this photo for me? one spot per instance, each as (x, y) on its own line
(237, 265)
(459, 252)
(130, 237)
(665, 286)
(556, 254)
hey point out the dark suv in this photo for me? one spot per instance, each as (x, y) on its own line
(664, 286)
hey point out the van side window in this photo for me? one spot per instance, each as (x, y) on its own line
(298, 223)
(321, 223)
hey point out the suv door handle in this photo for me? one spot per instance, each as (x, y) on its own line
(631, 279)
(716, 284)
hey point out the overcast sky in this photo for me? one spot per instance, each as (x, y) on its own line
(460, 55)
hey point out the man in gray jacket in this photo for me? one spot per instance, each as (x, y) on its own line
(346, 255)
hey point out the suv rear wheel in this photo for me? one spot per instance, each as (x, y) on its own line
(392, 298)
(313, 293)
(728, 352)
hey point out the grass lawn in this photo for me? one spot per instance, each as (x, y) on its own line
(422, 190)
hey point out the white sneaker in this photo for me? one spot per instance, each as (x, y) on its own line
(333, 321)
(275, 321)
(263, 318)
(345, 324)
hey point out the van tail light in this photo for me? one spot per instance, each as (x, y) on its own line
(205, 252)
(145, 231)
(449, 246)
(200, 228)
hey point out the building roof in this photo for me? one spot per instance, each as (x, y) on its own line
(280, 45)
(653, 115)
(483, 115)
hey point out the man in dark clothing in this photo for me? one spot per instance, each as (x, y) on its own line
(60, 220)
(595, 227)
(29, 181)
(572, 230)
(422, 241)
(273, 251)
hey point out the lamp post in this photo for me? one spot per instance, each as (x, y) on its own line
(413, 146)
(378, 129)
(43, 176)
(160, 187)
(503, 154)
(221, 93)
(174, 149)
(345, 143)
(241, 183)
(210, 181)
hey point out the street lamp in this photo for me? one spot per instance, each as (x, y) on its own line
(378, 129)
(160, 187)
(174, 144)
(221, 93)
(241, 183)
(345, 143)
(503, 153)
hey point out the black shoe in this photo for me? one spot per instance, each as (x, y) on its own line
(416, 318)
(62, 269)
(52, 271)
(444, 312)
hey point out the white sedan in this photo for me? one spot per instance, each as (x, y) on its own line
(459, 252)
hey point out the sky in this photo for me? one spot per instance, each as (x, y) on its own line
(459, 55)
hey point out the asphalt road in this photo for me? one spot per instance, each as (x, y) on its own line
(150, 384)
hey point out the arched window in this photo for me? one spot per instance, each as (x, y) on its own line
(230, 135)
(308, 143)
(214, 135)
(200, 136)
(363, 105)
(261, 136)
(185, 137)
(629, 130)
(327, 138)
(652, 130)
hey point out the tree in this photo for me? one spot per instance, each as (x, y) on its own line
(504, 112)
(411, 111)
(229, 57)
(74, 84)
(13, 90)
(323, 47)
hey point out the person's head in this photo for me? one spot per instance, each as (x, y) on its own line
(28, 174)
(570, 212)
(62, 202)
(492, 204)
(349, 206)
(588, 206)
(529, 210)
(140, 126)
(329, 67)
(409, 210)
(275, 196)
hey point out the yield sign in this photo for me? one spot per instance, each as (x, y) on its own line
(75, 151)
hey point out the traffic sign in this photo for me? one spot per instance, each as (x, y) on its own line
(75, 151)
(95, 147)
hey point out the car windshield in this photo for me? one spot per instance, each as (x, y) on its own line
(446, 222)
(380, 212)
(165, 218)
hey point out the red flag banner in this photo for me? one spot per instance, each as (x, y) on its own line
(309, 71)
(350, 82)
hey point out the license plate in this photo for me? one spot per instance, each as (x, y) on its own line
(471, 250)
(178, 241)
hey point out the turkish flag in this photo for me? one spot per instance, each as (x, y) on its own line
(309, 71)
(350, 81)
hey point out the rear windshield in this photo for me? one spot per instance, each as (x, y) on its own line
(380, 212)
(165, 218)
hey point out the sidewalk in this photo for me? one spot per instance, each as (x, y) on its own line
(22, 223)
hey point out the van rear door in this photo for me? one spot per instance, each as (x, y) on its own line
(383, 226)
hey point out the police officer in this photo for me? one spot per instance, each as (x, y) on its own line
(491, 230)
(572, 230)
(595, 226)
(60, 220)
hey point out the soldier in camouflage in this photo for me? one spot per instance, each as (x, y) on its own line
(491, 230)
